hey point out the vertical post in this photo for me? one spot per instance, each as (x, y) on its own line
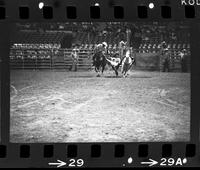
(51, 56)
(128, 35)
(63, 54)
(23, 63)
(36, 60)
(160, 59)
(88, 37)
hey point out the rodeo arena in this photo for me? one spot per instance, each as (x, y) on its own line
(100, 82)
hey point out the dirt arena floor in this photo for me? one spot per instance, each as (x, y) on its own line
(58, 106)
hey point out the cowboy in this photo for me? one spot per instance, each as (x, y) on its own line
(100, 48)
(74, 57)
(182, 55)
(122, 49)
(166, 60)
(105, 48)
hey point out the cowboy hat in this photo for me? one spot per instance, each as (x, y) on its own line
(105, 44)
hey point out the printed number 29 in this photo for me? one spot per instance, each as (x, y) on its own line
(165, 162)
(74, 162)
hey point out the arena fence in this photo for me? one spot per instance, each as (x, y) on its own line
(48, 59)
(23, 58)
(54, 58)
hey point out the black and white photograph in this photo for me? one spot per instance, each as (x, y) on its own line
(100, 82)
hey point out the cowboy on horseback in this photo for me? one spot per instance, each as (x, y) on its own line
(99, 58)
(101, 49)
(127, 62)
(124, 52)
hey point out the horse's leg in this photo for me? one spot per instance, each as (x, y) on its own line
(125, 71)
(103, 67)
(98, 75)
(122, 68)
(129, 69)
(116, 72)
(98, 71)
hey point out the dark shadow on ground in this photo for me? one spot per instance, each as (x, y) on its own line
(139, 77)
(87, 76)
(112, 76)
(128, 77)
(93, 76)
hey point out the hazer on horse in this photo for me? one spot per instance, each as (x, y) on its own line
(127, 62)
(99, 58)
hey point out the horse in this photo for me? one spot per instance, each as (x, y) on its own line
(127, 62)
(99, 62)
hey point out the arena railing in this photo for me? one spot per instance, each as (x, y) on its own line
(21, 58)
(34, 58)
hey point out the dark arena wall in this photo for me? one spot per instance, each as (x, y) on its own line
(67, 40)
(147, 61)
(153, 62)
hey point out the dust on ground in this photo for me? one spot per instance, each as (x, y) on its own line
(59, 106)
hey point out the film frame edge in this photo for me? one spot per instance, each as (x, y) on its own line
(57, 147)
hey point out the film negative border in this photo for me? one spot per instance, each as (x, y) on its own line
(98, 10)
(97, 154)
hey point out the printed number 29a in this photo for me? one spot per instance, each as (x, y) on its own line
(74, 162)
(173, 162)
